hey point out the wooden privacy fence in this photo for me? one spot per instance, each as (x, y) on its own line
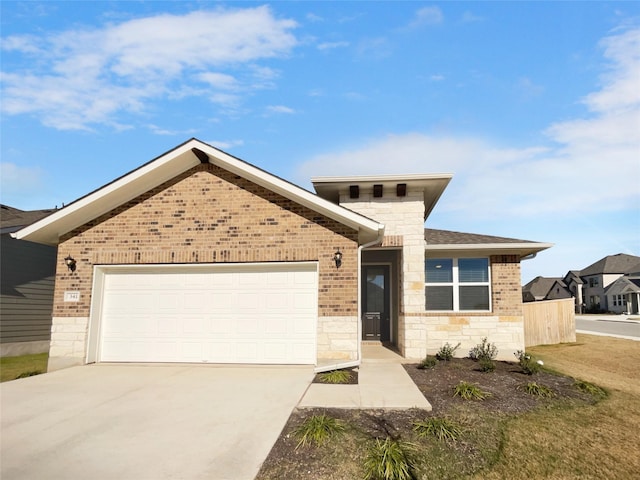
(549, 322)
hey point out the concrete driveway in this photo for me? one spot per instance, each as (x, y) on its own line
(146, 422)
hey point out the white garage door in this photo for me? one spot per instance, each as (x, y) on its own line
(223, 314)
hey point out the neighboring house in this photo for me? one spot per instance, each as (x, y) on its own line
(575, 284)
(27, 273)
(623, 295)
(545, 288)
(600, 275)
(198, 256)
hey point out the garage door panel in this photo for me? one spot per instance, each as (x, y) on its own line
(227, 315)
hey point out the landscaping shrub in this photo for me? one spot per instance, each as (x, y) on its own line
(390, 459)
(487, 365)
(335, 376)
(533, 388)
(590, 388)
(484, 350)
(469, 391)
(317, 429)
(428, 362)
(528, 364)
(446, 352)
(441, 428)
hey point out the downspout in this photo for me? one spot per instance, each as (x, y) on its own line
(358, 360)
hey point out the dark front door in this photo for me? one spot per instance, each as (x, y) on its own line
(375, 303)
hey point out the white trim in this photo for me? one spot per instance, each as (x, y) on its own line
(166, 167)
(455, 285)
(523, 249)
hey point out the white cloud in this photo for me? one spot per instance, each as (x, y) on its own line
(470, 17)
(20, 182)
(226, 144)
(375, 48)
(528, 88)
(280, 109)
(590, 164)
(79, 78)
(436, 77)
(332, 45)
(156, 130)
(427, 16)
(219, 80)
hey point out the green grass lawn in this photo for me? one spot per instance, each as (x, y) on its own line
(13, 367)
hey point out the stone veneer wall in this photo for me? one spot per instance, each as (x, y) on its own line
(402, 216)
(208, 215)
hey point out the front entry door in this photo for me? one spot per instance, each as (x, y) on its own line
(376, 324)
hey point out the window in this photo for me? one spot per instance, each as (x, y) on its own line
(593, 282)
(457, 284)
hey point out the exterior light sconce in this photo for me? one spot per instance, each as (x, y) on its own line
(337, 257)
(70, 262)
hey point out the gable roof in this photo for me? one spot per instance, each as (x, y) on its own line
(539, 287)
(620, 263)
(446, 240)
(573, 276)
(13, 219)
(622, 286)
(167, 166)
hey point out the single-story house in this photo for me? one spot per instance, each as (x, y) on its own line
(27, 274)
(545, 288)
(198, 256)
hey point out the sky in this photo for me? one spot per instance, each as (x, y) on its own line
(534, 107)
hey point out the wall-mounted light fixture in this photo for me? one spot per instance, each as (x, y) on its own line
(70, 262)
(337, 257)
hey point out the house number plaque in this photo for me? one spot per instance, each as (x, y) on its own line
(71, 296)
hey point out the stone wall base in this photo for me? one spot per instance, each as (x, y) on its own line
(68, 342)
(337, 338)
(506, 332)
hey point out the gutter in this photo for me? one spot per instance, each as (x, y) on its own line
(358, 360)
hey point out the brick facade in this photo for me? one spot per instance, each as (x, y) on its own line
(208, 215)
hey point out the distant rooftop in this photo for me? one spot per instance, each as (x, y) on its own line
(12, 219)
(619, 263)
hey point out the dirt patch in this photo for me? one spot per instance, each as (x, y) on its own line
(483, 422)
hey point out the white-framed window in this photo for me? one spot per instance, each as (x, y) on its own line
(457, 284)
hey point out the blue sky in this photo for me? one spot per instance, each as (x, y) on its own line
(534, 107)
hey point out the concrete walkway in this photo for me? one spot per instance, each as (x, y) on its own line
(383, 383)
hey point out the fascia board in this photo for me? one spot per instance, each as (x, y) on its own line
(520, 248)
(49, 229)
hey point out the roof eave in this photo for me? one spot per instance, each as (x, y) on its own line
(49, 230)
(522, 249)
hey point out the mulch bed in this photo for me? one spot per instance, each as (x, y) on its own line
(505, 385)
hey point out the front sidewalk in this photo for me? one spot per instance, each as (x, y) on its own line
(383, 383)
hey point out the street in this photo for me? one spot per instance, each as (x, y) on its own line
(609, 325)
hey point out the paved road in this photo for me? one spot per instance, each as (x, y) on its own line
(610, 325)
(126, 422)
